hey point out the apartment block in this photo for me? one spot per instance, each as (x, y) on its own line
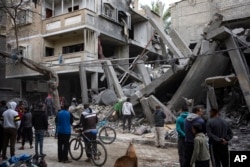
(62, 34)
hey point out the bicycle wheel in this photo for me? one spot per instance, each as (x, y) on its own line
(107, 135)
(99, 153)
(75, 149)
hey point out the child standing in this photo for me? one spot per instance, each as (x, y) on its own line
(200, 155)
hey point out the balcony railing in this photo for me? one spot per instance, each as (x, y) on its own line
(68, 20)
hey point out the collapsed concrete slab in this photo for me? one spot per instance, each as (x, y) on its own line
(203, 67)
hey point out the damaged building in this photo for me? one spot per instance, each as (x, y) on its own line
(113, 46)
(8, 88)
(69, 32)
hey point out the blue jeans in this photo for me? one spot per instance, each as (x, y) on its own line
(39, 140)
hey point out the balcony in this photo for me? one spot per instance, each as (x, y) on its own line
(68, 22)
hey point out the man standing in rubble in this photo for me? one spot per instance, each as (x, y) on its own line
(127, 112)
(192, 119)
(181, 133)
(219, 134)
(159, 117)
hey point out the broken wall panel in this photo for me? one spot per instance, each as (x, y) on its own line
(203, 67)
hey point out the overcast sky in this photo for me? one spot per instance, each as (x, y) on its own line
(148, 2)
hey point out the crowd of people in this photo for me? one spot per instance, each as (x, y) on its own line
(202, 141)
(18, 122)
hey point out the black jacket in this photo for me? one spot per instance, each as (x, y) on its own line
(39, 120)
(159, 117)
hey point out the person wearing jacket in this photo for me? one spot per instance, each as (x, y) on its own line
(88, 122)
(200, 156)
(192, 118)
(159, 117)
(127, 112)
(11, 122)
(40, 124)
(64, 120)
(26, 125)
(219, 133)
(181, 133)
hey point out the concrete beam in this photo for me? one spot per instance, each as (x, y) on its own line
(240, 68)
(182, 46)
(159, 29)
(197, 48)
(132, 74)
(144, 72)
(219, 34)
(113, 77)
(147, 111)
(84, 86)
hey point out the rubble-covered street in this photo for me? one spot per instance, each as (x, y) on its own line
(148, 154)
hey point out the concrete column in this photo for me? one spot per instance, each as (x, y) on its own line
(94, 80)
(147, 111)
(122, 52)
(240, 69)
(113, 77)
(144, 72)
(84, 86)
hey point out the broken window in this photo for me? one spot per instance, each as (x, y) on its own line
(109, 11)
(24, 17)
(73, 48)
(74, 8)
(49, 51)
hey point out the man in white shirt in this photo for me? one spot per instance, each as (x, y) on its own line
(127, 111)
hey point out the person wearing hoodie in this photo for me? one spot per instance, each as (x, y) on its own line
(11, 122)
(192, 118)
(200, 156)
(181, 133)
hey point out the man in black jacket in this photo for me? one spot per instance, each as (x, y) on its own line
(88, 123)
(219, 134)
(159, 117)
(40, 123)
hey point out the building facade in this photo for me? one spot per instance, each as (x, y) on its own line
(189, 17)
(62, 34)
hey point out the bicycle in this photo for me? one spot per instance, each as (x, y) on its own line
(98, 151)
(107, 134)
